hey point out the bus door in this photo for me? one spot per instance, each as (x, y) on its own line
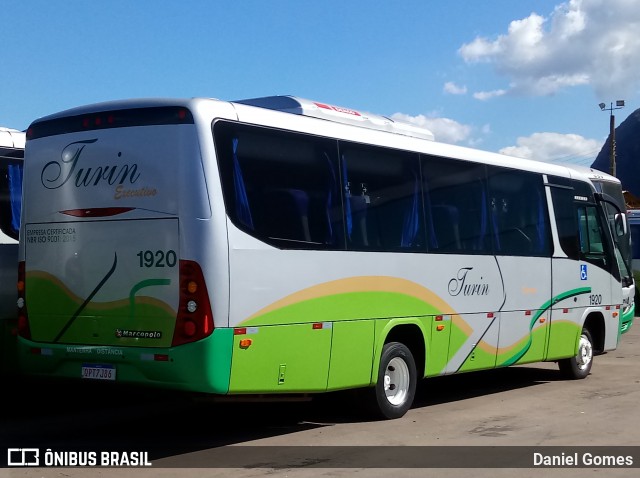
(583, 277)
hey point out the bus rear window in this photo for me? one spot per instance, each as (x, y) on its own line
(110, 119)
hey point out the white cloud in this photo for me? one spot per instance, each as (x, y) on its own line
(554, 147)
(487, 95)
(582, 42)
(453, 89)
(444, 129)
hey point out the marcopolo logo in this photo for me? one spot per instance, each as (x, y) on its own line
(138, 334)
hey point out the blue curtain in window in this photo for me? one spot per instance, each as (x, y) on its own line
(15, 194)
(243, 211)
(412, 219)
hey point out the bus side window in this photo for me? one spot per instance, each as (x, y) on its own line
(446, 221)
(291, 220)
(457, 206)
(382, 197)
(566, 218)
(591, 236)
(519, 213)
(281, 188)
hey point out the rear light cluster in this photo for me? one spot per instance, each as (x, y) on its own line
(195, 320)
(23, 318)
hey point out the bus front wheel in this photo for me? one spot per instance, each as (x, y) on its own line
(579, 366)
(393, 393)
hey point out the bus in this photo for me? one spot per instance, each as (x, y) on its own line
(283, 247)
(11, 155)
(634, 226)
(612, 187)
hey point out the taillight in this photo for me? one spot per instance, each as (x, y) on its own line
(195, 320)
(23, 317)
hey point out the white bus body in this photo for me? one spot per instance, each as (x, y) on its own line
(230, 248)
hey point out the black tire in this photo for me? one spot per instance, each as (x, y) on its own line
(578, 367)
(395, 389)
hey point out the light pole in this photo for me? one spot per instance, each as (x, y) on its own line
(612, 133)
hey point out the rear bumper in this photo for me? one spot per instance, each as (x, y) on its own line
(202, 366)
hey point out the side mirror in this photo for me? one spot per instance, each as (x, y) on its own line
(621, 224)
(620, 219)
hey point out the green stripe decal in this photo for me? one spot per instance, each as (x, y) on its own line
(142, 285)
(542, 310)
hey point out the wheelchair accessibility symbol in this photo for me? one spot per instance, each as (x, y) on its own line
(583, 272)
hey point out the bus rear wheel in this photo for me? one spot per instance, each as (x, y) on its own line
(578, 367)
(393, 393)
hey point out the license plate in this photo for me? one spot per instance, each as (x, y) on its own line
(99, 372)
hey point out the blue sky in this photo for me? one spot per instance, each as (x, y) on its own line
(523, 77)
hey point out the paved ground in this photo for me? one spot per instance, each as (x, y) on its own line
(525, 406)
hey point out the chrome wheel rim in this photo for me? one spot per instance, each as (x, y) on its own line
(585, 353)
(396, 381)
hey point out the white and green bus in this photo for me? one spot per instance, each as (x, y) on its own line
(280, 246)
(11, 157)
(611, 187)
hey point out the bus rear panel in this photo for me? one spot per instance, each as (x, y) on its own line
(108, 292)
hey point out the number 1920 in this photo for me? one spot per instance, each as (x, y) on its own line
(157, 259)
(595, 299)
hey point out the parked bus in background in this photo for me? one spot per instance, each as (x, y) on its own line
(611, 187)
(284, 246)
(634, 226)
(11, 154)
